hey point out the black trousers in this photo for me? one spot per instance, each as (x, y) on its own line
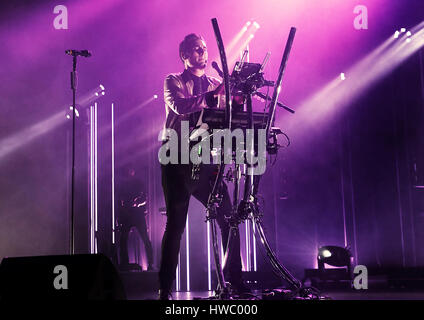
(128, 218)
(178, 187)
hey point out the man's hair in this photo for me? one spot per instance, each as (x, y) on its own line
(187, 44)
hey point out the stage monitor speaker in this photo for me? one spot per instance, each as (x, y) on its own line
(80, 277)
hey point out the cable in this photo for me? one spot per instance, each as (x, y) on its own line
(288, 140)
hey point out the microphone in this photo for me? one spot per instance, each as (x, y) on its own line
(216, 67)
(83, 53)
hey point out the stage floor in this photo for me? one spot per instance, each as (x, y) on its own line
(144, 286)
(333, 295)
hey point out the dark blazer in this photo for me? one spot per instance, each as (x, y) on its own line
(180, 101)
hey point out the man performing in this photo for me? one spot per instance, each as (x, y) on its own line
(185, 93)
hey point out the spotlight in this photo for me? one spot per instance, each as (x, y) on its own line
(241, 41)
(409, 35)
(100, 91)
(69, 114)
(326, 253)
(155, 96)
(334, 256)
(76, 111)
(340, 276)
(238, 37)
(403, 30)
(342, 76)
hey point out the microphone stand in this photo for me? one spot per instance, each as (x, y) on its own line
(74, 54)
(72, 218)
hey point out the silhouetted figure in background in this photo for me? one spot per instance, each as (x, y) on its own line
(132, 210)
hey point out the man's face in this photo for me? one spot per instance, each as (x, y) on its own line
(198, 55)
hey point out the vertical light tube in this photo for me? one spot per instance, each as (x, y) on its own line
(113, 175)
(177, 277)
(187, 255)
(342, 186)
(91, 179)
(352, 195)
(68, 180)
(247, 226)
(95, 178)
(209, 255)
(254, 248)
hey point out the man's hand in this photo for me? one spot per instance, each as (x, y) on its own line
(220, 90)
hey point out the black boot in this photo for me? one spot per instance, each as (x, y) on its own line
(165, 294)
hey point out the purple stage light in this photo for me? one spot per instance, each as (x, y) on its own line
(113, 170)
(237, 38)
(93, 179)
(247, 243)
(208, 241)
(255, 267)
(187, 255)
(333, 97)
(22, 138)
